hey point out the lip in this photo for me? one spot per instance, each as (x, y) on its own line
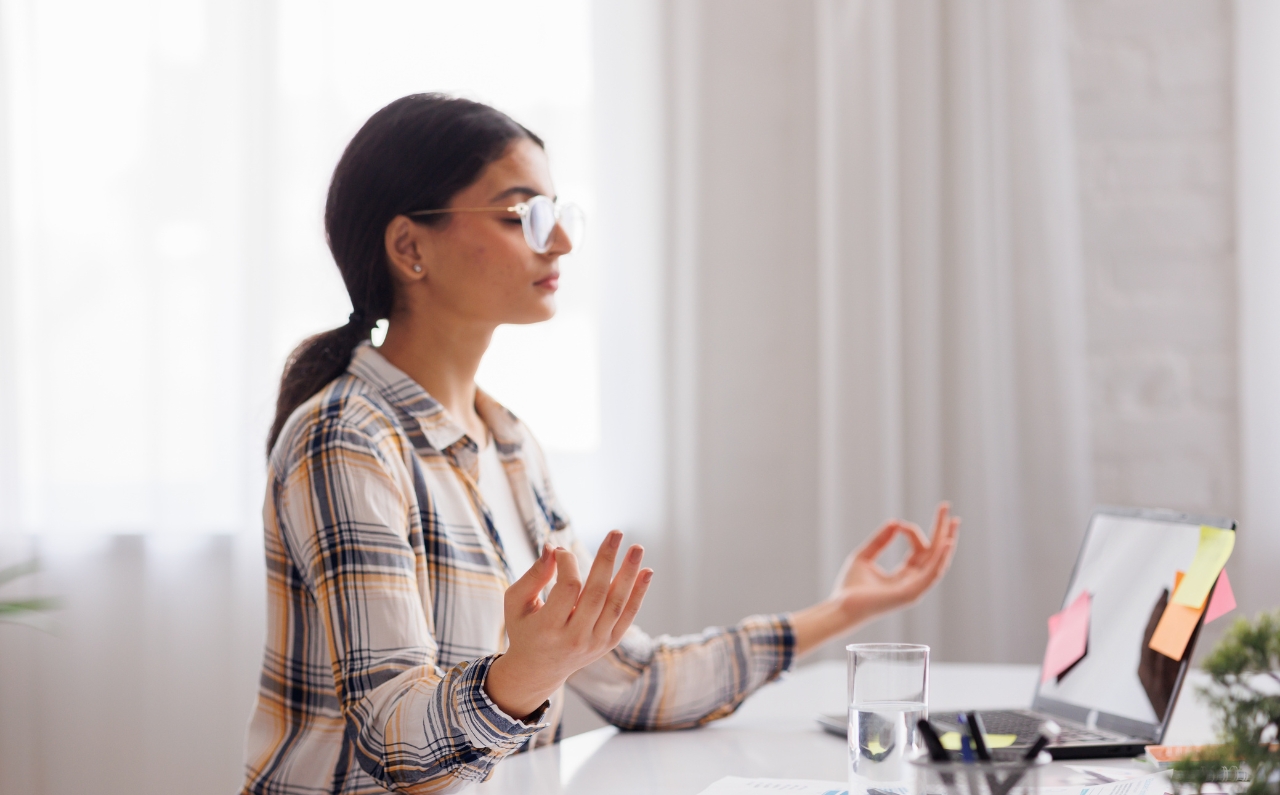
(550, 282)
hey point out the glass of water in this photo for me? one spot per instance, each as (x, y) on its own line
(888, 693)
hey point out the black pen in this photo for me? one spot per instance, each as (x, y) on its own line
(1049, 732)
(979, 734)
(931, 741)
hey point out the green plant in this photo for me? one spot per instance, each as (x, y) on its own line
(1245, 696)
(24, 611)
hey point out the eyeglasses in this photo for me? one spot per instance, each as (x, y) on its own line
(539, 216)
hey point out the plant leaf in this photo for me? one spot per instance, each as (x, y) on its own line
(18, 570)
(28, 605)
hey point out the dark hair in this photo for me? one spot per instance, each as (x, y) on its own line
(414, 154)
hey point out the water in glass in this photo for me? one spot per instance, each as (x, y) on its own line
(882, 739)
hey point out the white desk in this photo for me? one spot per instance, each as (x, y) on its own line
(774, 735)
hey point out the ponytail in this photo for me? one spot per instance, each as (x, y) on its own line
(317, 361)
(414, 154)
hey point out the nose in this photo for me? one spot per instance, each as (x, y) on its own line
(560, 242)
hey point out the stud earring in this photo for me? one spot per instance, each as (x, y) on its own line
(417, 268)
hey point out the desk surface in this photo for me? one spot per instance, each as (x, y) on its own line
(773, 735)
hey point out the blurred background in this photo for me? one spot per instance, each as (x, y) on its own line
(845, 258)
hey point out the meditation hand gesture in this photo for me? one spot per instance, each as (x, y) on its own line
(578, 624)
(864, 590)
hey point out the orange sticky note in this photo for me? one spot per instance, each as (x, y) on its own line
(1223, 600)
(1068, 637)
(1174, 629)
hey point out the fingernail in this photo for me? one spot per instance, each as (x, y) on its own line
(648, 575)
(615, 538)
(636, 554)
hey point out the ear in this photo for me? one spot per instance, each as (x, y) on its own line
(406, 244)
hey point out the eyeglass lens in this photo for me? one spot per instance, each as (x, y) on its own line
(540, 223)
(541, 219)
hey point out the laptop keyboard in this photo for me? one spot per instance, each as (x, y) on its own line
(1027, 727)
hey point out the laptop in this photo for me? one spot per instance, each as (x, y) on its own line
(1118, 697)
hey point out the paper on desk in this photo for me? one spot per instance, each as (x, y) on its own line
(1150, 784)
(733, 785)
(1068, 637)
(1223, 600)
(1212, 554)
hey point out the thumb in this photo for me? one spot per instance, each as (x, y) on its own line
(526, 590)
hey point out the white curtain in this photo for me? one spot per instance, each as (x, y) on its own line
(1257, 76)
(877, 304)
(163, 166)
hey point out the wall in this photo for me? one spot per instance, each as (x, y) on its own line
(1153, 109)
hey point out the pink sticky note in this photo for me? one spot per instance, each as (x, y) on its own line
(1223, 600)
(1068, 637)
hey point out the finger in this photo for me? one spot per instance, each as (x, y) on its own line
(940, 557)
(953, 537)
(633, 606)
(526, 590)
(877, 543)
(619, 592)
(919, 542)
(564, 594)
(597, 585)
(941, 518)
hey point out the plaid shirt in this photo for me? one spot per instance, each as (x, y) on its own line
(385, 578)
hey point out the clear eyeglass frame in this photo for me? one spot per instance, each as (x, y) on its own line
(539, 217)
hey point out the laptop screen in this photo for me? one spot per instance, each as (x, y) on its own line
(1127, 564)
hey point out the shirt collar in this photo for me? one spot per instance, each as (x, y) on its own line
(437, 425)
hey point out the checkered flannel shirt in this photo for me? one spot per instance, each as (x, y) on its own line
(385, 578)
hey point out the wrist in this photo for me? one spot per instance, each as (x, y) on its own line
(511, 687)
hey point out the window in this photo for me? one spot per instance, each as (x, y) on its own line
(165, 164)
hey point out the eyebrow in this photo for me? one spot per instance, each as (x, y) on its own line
(527, 192)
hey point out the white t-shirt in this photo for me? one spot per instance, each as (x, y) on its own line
(495, 487)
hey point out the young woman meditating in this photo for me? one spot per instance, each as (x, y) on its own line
(427, 599)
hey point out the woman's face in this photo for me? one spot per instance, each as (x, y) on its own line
(477, 267)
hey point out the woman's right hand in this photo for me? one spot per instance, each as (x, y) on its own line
(578, 624)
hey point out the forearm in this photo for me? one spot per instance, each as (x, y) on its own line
(441, 734)
(681, 682)
(819, 623)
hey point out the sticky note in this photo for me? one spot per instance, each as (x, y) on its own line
(1174, 630)
(1068, 637)
(1223, 600)
(951, 740)
(1212, 554)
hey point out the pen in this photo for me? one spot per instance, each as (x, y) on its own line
(937, 753)
(1049, 732)
(932, 741)
(979, 734)
(966, 744)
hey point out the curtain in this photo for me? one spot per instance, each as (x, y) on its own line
(878, 304)
(1257, 76)
(163, 167)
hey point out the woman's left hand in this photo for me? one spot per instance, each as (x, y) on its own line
(864, 590)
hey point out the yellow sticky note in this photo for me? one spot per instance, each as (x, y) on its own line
(951, 740)
(1212, 554)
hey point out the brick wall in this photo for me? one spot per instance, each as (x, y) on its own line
(1153, 105)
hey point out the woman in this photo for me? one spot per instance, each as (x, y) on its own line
(426, 604)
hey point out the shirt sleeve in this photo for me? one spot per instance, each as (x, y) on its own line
(671, 682)
(680, 682)
(347, 522)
